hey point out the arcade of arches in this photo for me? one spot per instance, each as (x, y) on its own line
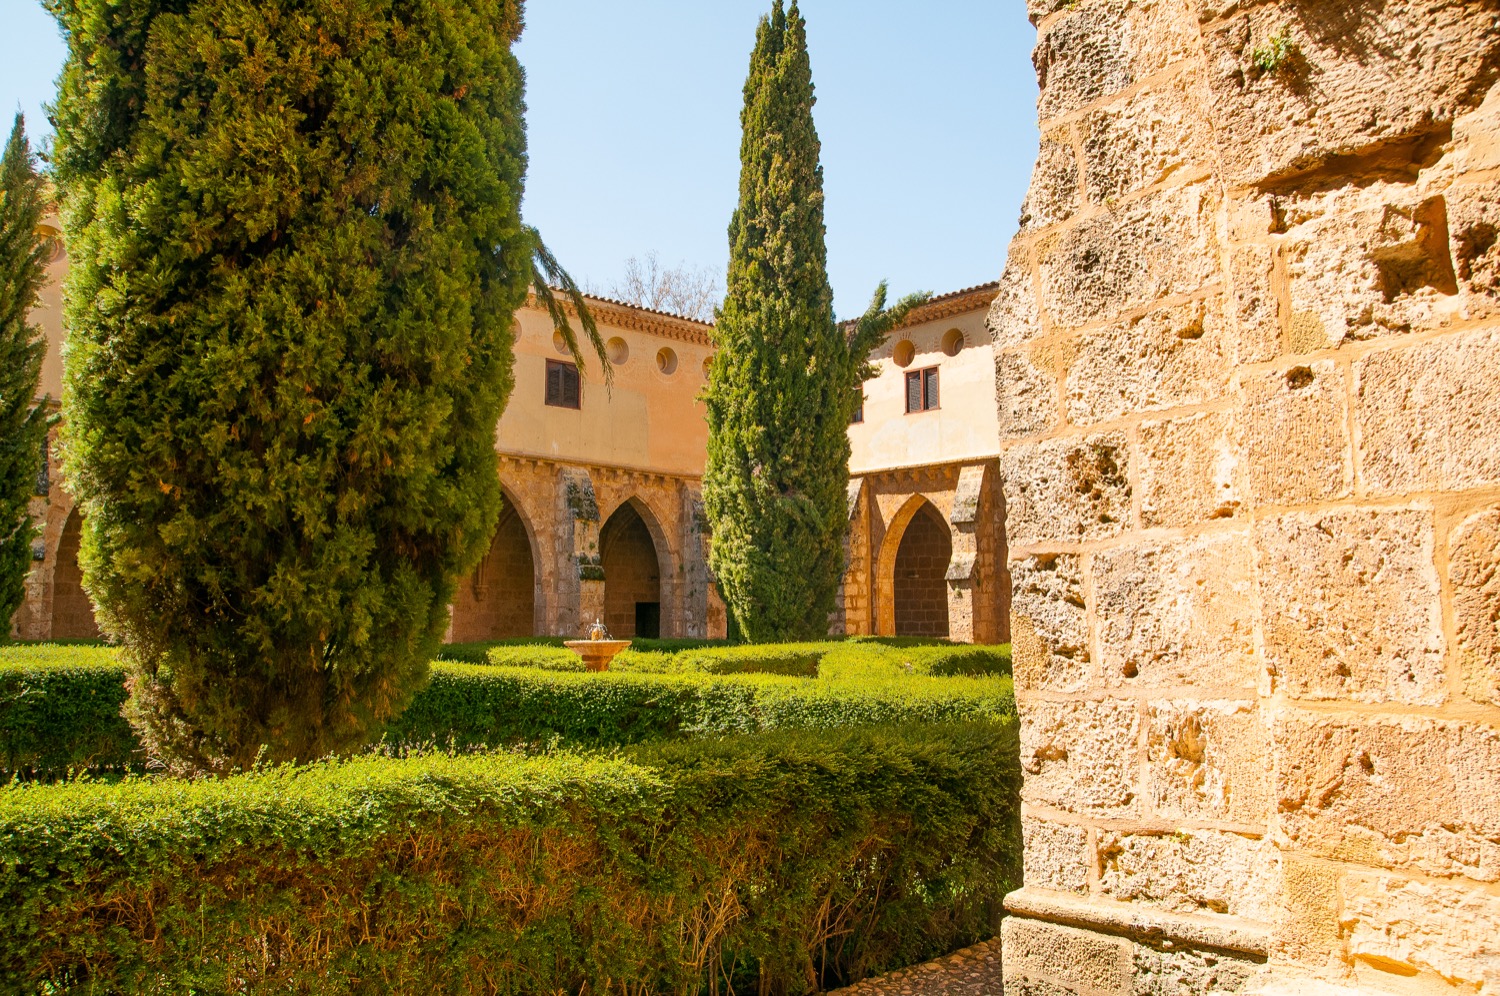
(926, 558)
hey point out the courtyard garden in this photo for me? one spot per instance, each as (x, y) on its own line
(701, 818)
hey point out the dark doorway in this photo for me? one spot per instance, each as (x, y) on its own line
(648, 620)
(72, 611)
(499, 599)
(921, 572)
(632, 577)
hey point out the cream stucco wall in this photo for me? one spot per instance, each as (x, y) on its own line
(48, 315)
(964, 426)
(647, 420)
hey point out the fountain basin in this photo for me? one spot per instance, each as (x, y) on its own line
(596, 654)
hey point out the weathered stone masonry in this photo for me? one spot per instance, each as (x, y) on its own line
(1248, 356)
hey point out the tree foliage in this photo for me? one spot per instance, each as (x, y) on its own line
(23, 422)
(296, 254)
(783, 384)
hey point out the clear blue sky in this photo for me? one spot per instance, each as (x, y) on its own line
(926, 112)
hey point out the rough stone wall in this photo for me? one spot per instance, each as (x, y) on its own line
(1246, 348)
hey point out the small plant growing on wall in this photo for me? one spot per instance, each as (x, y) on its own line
(1277, 54)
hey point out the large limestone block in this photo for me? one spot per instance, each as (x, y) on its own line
(1296, 434)
(1178, 612)
(1102, 47)
(1254, 305)
(1365, 260)
(1014, 317)
(1307, 927)
(1170, 357)
(1026, 394)
(1081, 757)
(1474, 570)
(1473, 224)
(1053, 194)
(1360, 75)
(1209, 761)
(1401, 925)
(1132, 257)
(1146, 139)
(1191, 469)
(1175, 971)
(1049, 624)
(1200, 871)
(1429, 415)
(1351, 605)
(1057, 856)
(1392, 792)
(1069, 489)
(1049, 958)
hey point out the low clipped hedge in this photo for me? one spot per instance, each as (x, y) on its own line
(471, 706)
(777, 862)
(59, 706)
(60, 710)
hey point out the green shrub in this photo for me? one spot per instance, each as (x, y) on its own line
(543, 658)
(296, 254)
(60, 711)
(469, 706)
(766, 658)
(775, 863)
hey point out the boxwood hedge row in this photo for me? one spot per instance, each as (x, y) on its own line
(59, 706)
(774, 862)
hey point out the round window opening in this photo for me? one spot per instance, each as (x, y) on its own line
(953, 342)
(617, 350)
(666, 361)
(904, 353)
(560, 344)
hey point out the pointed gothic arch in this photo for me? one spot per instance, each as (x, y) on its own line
(911, 573)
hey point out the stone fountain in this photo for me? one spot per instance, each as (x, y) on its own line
(598, 650)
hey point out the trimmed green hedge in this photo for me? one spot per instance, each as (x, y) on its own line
(59, 706)
(60, 709)
(777, 862)
(468, 706)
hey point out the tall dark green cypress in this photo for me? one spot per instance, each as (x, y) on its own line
(783, 384)
(296, 254)
(23, 422)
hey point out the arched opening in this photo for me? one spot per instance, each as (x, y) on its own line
(72, 611)
(499, 599)
(632, 575)
(921, 587)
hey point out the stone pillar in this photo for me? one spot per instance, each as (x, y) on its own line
(966, 588)
(580, 573)
(852, 615)
(1245, 349)
(693, 526)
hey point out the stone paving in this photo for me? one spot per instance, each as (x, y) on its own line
(974, 971)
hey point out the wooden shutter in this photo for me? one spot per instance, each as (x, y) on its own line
(570, 386)
(930, 388)
(554, 383)
(913, 392)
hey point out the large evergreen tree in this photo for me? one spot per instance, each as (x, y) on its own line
(23, 422)
(784, 382)
(296, 254)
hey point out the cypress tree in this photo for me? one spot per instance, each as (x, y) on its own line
(296, 254)
(783, 384)
(23, 422)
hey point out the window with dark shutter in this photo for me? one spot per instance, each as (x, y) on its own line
(562, 385)
(859, 407)
(921, 390)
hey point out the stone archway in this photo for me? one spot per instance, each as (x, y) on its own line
(919, 582)
(499, 599)
(631, 559)
(72, 610)
(923, 561)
